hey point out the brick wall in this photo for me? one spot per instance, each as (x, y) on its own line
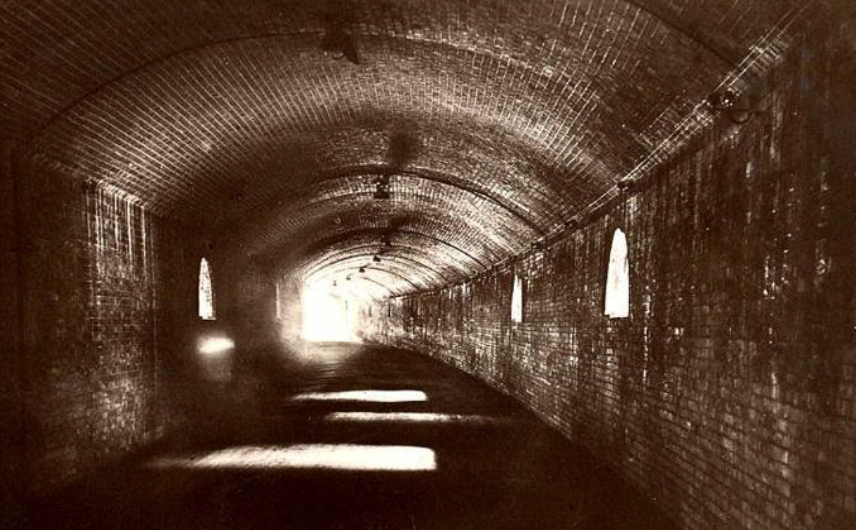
(246, 302)
(10, 388)
(729, 394)
(290, 319)
(104, 290)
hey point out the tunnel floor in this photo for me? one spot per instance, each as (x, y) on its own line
(345, 436)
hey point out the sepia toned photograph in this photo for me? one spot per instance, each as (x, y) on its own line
(428, 264)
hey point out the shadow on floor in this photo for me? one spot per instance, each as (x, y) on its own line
(344, 436)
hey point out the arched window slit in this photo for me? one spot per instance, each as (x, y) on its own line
(206, 292)
(617, 298)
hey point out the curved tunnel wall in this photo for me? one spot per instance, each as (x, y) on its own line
(97, 292)
(234, 119)
(728, 394)
(101, 325)
(233, 135)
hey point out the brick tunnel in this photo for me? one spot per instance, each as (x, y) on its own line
(428, 264)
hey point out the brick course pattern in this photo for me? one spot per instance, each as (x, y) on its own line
(139, 135)
(494, 120)
(11, 412)
(105, 287)
(729, 394)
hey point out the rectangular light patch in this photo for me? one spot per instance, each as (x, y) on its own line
(309, 456)
(376, 396)
(410, 417)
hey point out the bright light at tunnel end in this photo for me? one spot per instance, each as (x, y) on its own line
(330, 314)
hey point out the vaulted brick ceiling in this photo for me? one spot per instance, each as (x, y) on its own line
(495, 121)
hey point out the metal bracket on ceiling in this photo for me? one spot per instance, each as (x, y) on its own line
(627, 186)
(337, 41)
(726, 102)
(382, 188)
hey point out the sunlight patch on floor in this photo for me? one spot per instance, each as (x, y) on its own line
(411, 417)
(308, 456)
(375, 396)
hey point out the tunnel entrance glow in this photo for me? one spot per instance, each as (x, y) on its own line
(328, 315)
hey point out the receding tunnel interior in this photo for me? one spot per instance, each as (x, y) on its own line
(428, 264)
(329, 313)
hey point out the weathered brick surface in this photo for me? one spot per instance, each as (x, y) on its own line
(10, 388)
(729, 395)
(289, 321)
(246, 300)
(104, 287)
(231, 115)
(733, 374)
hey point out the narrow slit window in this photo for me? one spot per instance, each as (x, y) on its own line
(617, 301)
(206, 291)
(517, 300)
